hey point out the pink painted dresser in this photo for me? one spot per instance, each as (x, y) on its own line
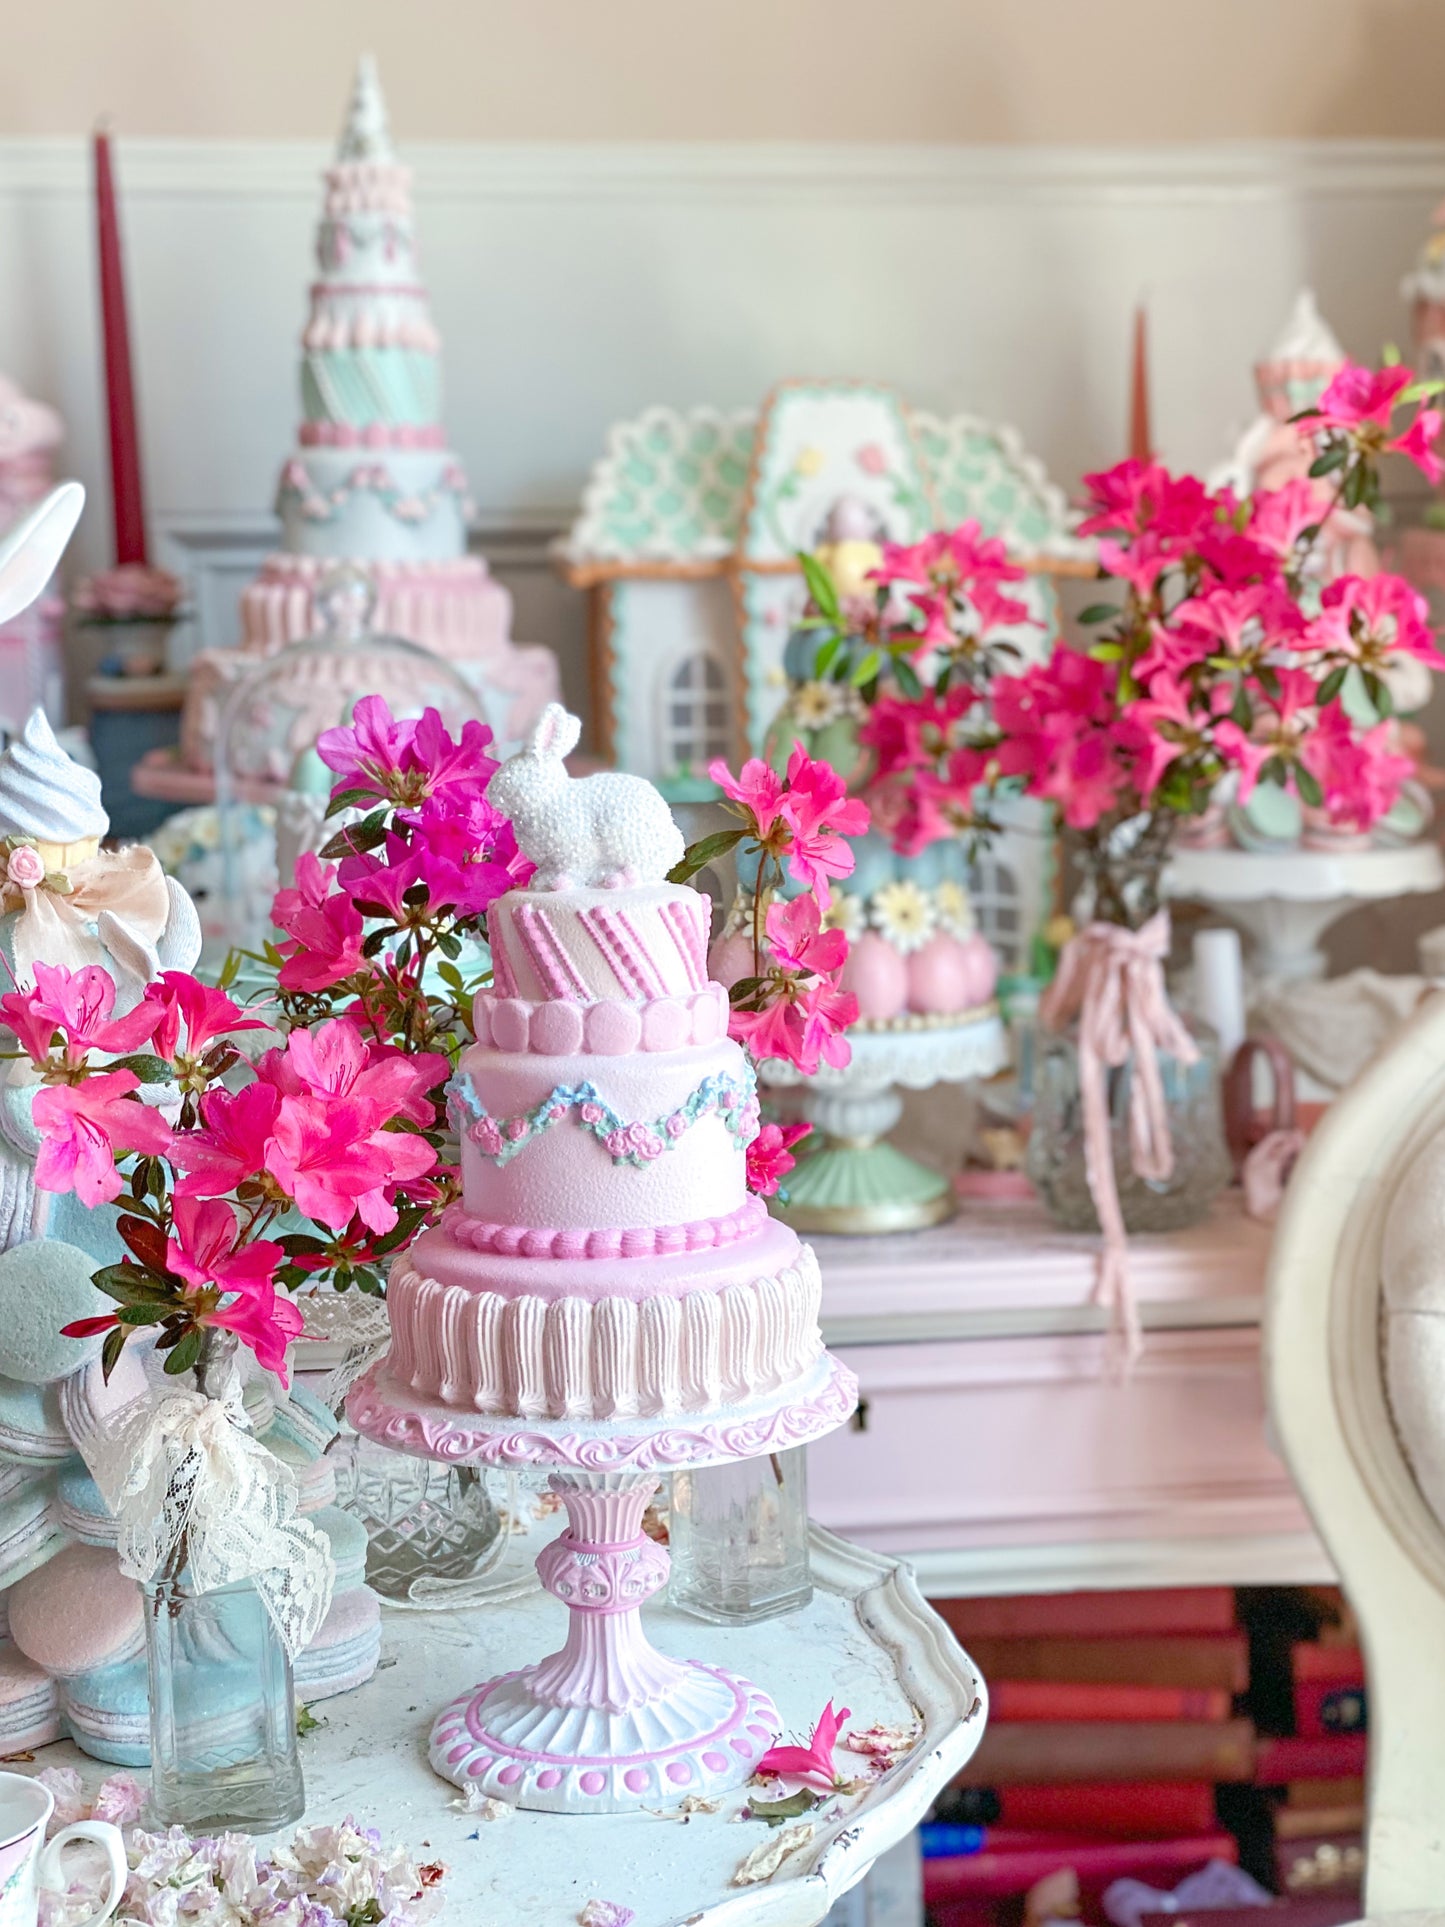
(998, 1448)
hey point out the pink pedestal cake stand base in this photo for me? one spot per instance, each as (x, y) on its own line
(607, 1724)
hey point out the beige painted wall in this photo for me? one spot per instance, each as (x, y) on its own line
(893, 70)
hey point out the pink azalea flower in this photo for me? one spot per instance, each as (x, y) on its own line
(770, 1157)
(370, 750)
(815, 1760)
(78, 1004)
(798, 941)
(822, 814)
(756, 787)
(1357, 396)
(338, 1060)
(332, 1158)
(1279, 517)
(263, 1321)
(203, 1251)
(407, 762)
(1418, 443)
(1373, 615)
(324, 930)
(231, 1142)
(205, 1012)
(86, 1127)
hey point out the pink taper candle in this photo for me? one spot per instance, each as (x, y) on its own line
(127, 501)
(1140, 435)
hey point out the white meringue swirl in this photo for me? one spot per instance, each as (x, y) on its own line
(46, 794)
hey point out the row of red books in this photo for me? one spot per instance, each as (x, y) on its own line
(1112, 1724)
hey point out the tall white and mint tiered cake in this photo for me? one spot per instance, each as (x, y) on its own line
(372, 484)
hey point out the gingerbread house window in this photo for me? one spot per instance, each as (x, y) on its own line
(697, 715)
(994, 890)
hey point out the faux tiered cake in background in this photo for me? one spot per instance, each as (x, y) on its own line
(372, 482)
(606, 1260)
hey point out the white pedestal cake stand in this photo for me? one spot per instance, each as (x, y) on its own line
(1286, 900)
(849, 1178)
(606, 1723)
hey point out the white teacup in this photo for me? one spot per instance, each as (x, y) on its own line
(27, 1863)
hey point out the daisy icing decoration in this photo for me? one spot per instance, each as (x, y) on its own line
(816, 704)
(846, 913)
(904, 915)
(953, 909)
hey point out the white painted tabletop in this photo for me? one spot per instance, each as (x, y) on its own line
(867, 1641)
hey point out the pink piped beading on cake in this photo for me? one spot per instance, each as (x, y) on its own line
(637, 946)
(453, 607)
(611, 1357)
(565, 1028)
(372, 435)
(635, 1241)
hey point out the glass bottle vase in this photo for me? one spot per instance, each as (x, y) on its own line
(738, 1534)
(1056, 1158)
(431, 1527)
(222, 1711)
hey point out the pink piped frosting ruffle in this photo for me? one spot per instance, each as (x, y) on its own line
(608, 1028)
(633, 1241)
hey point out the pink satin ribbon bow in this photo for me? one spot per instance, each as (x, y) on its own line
(1112, 981)
(56, 928)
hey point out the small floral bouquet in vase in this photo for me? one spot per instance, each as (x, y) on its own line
(145, 1114)
(1227, 662)
(892, 663)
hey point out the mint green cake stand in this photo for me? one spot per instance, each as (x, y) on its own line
(850, 1179)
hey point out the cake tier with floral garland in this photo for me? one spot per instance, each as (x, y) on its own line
(372, 485)
(606, 1259)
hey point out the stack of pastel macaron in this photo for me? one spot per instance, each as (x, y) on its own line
(72, 1631)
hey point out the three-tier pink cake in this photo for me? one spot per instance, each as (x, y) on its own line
(606, 1260)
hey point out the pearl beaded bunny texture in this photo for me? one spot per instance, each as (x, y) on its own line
(592, 833)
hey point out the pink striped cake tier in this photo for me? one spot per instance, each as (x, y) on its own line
(603, 1338)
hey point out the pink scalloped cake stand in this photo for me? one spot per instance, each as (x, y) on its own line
(607, 1724)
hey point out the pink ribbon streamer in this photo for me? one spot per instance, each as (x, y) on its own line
(1112, 980)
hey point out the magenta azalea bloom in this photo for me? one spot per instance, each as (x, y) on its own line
(231, 1142)
(406, 762)
(758, 788)
(821, 814)
(798, 941)
(324, 930)
(87, 1127)
(1418, 442)
(205, 1013)
(203, 1250)
(78, 1004)
(337, 1060)
(815, 1760)
(334, 1159)
(265, 1322)
(1357, 396)
(370, 752)
(770, 1157)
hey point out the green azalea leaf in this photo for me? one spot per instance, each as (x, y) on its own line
(349, 799)
(867, 669)
(1098, 612)
(1332, 459)
(182, 1356)
(1309, 789)
(144, 1314)
(1107, 651)
(827, 655)
(1332, 684)
(906, 676)
(773, 1813)
(820, 586)
(306, 1722)
(111, 1350)
(706, 850)
(146, 1066)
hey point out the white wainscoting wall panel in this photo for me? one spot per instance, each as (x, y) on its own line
(575, 284)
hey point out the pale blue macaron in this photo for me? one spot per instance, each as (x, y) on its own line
(301, 1417)
(107, 1713)
(82, 1511)
(348, 1546)
(32, 1429)
(345, 1652)
(30, 1530)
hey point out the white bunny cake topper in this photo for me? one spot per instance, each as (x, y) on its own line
(600, 832)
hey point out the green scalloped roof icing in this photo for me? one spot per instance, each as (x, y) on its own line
(674, 486)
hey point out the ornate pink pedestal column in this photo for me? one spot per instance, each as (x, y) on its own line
(607, 1724)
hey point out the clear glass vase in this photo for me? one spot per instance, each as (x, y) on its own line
(430, 1527)
(223, 1711)
(1056, 1161)
(738, 1535)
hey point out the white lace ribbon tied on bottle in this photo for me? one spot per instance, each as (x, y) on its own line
(176, 1464)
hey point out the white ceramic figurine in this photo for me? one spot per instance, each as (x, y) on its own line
(591, 832)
